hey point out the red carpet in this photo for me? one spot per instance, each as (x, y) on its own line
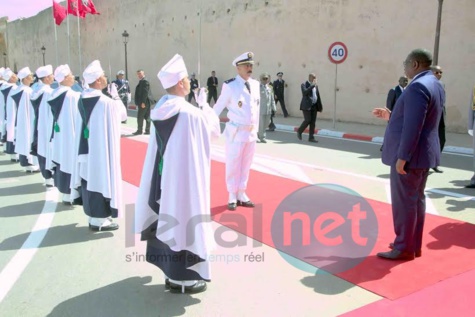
(449, 245)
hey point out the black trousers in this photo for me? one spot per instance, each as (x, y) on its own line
(191, 96)
(95, 205)
(310, 117)
(408, 207)
(282, 104)
(212, 94)
(143, 114)
(442, 133)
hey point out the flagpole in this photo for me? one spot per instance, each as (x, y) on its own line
(69, 42)
(199, 46)
(79, 39)
(56, 43)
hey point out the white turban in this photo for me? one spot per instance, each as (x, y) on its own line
(93, 72)
(61, 72)
(7, 73)
(24, 72)
(172, 72)
(44, 71)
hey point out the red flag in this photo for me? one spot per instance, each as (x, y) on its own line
(74, 9)
(59, 12)
(87, 6)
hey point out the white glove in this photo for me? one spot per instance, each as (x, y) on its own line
(470, 132)
(201, 95)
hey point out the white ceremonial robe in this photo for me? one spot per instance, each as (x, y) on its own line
(100, 168)
(45, 120)
(63, 151)
(11, 114)
(25, 120)
(185, 183)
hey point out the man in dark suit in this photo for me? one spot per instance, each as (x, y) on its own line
(411, 148)
(311, 104)
(279, 86)
(212, 84)
(143, 99)
(437, 71)
(395, 92)
(193, 85)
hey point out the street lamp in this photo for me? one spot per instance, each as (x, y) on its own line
(5, 59)
(43, 50)
(437, 34)
(125, 36)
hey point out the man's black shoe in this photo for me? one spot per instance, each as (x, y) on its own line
(417, 253)
(248, 204)
(232, 206)
(313, 140)
(299, 136)
(137, 133)
(396, 255)
(470, 186)
(437, 170)
(147, 132)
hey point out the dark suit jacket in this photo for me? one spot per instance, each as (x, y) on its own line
(412, 131)
(306, 103)
(211, 83)
(143, 94)
(393, 95)
(279, 88)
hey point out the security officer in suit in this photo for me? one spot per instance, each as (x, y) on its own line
(471, 127)
(311, 104)
(241, 96)
(395, 92)
(193, 85)
(123, 87)
(143, 99)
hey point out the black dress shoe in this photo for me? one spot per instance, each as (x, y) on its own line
(137, 133)
(470, 186)
(167, 283)
(417, 253)
(111, 227)
(299, 136)
(232, 206)
(396, 255)
(147, 132)
(313, 140)
(248, 204)
(437, 170)
(199, 287)
(270, 130)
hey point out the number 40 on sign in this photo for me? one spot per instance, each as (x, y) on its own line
(337, 52)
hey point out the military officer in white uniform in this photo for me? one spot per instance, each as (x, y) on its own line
(241, 96)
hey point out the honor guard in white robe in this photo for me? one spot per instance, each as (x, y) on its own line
(241, 96)
(175, 184)
(41, 146)
(64, 109)
(10, 112)
(24, 119)
(2, 108)
(97, 169)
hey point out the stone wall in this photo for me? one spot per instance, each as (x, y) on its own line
(292, 36)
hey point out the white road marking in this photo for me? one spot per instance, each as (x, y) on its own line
(13, 270)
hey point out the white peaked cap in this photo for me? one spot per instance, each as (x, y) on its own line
(61, 72)
(7, 73)
(244, 58)
(2, 69)
(172, 72)
(24, 72)
(93, 72)
(44, 71)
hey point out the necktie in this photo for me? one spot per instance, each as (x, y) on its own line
(248, 86)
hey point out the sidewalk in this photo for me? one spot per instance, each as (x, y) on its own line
(456, 142)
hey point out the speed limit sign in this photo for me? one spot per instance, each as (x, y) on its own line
(337, 52)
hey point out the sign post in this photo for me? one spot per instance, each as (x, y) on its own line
(337, 53)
